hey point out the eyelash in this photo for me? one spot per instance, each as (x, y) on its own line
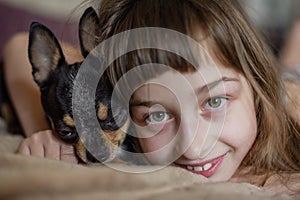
(206, 108)
(166, 117)
(220, 106)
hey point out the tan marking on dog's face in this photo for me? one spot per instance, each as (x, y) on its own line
(117, 137)
(81, 150)
(68, 120)
(102, 111)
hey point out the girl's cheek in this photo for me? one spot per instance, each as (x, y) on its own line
(160, 139)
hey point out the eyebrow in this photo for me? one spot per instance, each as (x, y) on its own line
(137, 102)
(207, 87)
(213, 84)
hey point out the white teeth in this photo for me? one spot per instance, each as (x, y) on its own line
(198, 169)
(207, 166)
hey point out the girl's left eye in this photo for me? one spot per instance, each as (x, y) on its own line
(215, 103)
(158, 117)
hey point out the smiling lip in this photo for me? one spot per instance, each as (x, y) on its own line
(206, 168)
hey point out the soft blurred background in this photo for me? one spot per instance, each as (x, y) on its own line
(61, 16)
(274, 18)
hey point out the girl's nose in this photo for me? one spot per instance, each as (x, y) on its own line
(188, 143)
(192, 140)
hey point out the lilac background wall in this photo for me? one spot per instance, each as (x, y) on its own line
(13, 20)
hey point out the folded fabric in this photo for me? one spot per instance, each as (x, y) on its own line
(28, 177)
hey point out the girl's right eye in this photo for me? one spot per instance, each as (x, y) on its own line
(157, 117)
(215, 103)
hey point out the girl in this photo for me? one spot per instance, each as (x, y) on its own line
(257, 138)
(229, 113)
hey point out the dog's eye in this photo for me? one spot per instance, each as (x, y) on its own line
(68, 136)
(66, 133)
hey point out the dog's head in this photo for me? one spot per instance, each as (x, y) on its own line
(55, 77)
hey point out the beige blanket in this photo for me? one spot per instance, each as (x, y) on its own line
(23, 177)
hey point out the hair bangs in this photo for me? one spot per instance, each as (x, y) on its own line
(175, 15)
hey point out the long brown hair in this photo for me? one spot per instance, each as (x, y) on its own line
(234, 42)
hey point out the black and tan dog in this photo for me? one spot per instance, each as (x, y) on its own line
(55, 77)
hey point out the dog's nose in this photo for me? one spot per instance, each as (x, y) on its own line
(91, 158)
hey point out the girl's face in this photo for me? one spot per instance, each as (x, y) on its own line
(204, 122)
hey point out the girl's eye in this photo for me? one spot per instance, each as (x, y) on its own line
(157, 117)
(215, 103)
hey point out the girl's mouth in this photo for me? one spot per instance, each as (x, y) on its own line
(206, 168)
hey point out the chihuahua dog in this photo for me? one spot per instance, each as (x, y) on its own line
(55, 78)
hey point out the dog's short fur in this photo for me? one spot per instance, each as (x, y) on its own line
(55, 77)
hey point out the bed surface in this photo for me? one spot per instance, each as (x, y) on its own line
(24, 177)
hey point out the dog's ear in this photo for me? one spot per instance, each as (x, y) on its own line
(44, 52)
(89, 31)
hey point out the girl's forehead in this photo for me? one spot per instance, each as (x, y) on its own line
(171, 85)
(203, 75)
